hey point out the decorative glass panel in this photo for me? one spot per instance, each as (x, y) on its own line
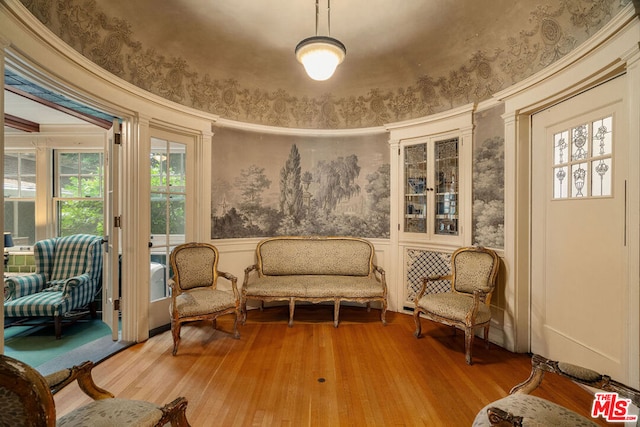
(560, 183)
(602, 137)
(588, 172)
(415, 169)
(579, 175)
(601, 178)
(446, 178)
(579, 146)
(560, 148)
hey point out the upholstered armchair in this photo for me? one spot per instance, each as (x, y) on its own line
(473, 278)
(522, 409)
(194, 288)
(26, 399)
(67, 278)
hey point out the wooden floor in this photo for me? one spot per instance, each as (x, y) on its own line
(362, 373)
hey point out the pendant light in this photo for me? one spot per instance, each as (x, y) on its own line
(320, 55)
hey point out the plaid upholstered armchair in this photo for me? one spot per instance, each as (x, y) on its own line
(68, 275)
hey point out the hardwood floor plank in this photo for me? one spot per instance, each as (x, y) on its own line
(361, 373)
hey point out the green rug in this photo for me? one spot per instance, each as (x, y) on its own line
(36, 345)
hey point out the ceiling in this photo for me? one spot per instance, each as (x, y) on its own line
(405, 59)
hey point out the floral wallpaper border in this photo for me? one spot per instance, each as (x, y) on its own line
(109, 42)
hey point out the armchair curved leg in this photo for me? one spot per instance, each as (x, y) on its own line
(416, 319)
(175, 332)
(57, 324)
(468, 344)
(336, 312)
(486, 337)
(383, 313)
(236, 333)
(243, 310)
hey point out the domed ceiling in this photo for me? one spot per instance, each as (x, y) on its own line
(405, 59)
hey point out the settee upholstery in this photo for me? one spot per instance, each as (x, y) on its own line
(68, 276)
(315, 269)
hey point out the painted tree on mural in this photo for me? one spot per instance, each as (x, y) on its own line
(290, 187)
(325, 200)
(337, 181)
(379, 189)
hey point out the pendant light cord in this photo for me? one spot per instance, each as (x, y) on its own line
(317, 13)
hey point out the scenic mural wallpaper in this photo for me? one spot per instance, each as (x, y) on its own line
(274, 185)
(488, 178)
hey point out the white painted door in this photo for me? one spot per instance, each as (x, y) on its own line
(111, 266)
(579, 255)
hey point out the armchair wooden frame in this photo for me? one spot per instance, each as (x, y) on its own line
(34, 393)
(539, 366)
(480, 296)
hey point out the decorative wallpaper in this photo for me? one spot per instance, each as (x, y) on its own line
(553, 31)
(299, 185)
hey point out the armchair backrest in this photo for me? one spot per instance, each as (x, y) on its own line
(64, 257)
(194, 265)
(25, 397)
(474, 268)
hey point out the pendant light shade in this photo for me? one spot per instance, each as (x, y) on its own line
(320, 55)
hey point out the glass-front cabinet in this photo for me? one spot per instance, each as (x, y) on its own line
(431, 203)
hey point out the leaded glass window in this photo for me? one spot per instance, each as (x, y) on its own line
(582, 165)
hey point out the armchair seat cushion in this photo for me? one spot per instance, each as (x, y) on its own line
(535, 412)
(49, 303)
(453, 306)
(113, 412)
(201, 301)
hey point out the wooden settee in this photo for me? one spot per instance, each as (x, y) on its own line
(315, 269)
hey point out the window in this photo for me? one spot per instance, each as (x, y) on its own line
(20, 196)
(78, 199)
(582, 160)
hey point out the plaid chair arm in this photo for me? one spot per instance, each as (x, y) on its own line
(19, 286)
(74, 282)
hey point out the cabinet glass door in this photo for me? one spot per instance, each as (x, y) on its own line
(415, 172)
(446, 190)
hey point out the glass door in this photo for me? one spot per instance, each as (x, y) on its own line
(415, 192)
(446, 191)
(168, 220)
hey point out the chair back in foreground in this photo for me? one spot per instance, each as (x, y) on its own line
(473, 279)
(194, 288)
(521, 409)
(26, 399)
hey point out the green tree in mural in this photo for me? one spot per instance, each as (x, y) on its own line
(336, 181)
(290, 186)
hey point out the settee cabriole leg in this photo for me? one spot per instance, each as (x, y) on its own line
(336, 312)
(383, 314)
(292, 306)
(368, 307)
